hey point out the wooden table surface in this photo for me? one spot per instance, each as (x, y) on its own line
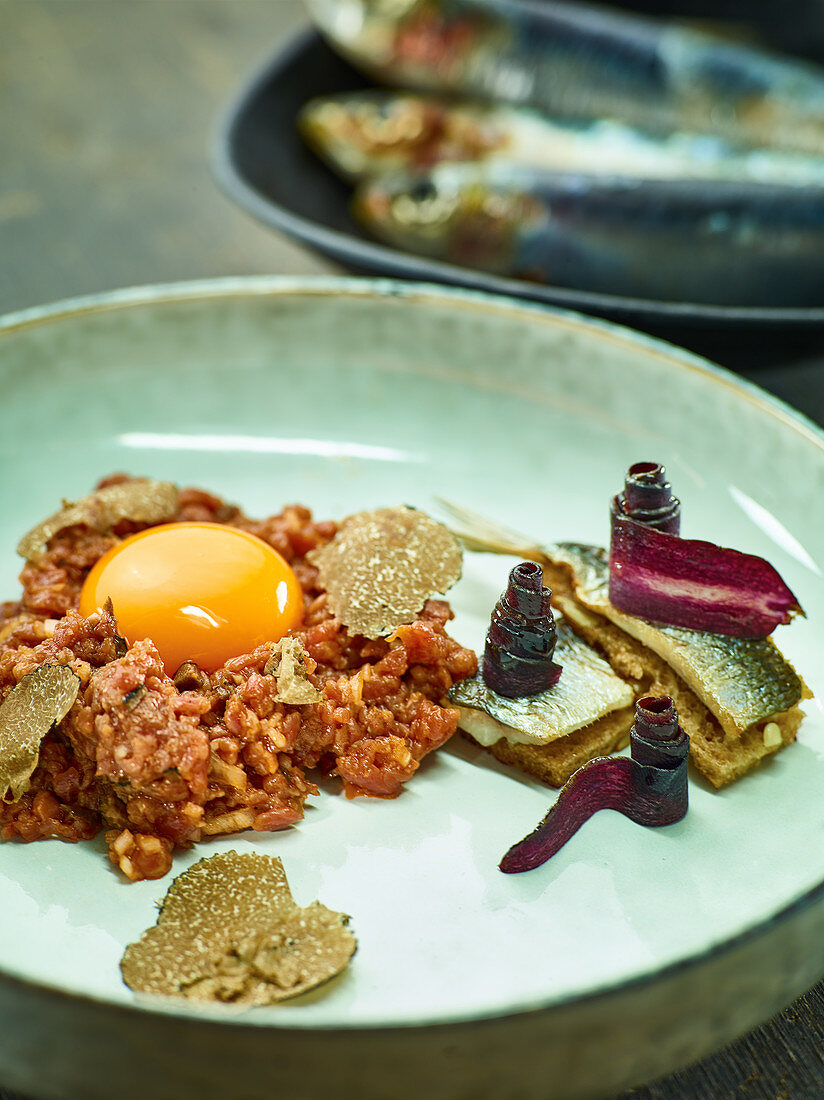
(108, 110)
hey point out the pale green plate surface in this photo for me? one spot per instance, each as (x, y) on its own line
(347, 395)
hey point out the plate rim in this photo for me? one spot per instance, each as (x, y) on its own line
(336, 287)
(386, 286)
(395, 263)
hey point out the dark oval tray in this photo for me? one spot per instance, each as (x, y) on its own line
(262, 163)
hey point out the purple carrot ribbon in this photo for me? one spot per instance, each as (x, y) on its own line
(649, 787)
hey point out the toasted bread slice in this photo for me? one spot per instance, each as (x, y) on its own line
(736, 698)
(554, 763)
(550, 735)
(720, 755)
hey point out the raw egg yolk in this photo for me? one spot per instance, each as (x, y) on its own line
(201, 592)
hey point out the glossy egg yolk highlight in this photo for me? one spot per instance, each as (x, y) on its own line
(201, 592)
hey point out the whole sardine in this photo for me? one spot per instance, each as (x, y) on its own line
(719, 243)
(374, 133)
(572, 60)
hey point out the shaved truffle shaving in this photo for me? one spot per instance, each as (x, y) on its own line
(28, 712)
(230, 931)
(288, 664)
(140, 500)
(382, 567)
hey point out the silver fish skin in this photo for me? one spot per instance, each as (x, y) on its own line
(372, 133)
(580, 61)
(587, 691)
(707, 242)
(742, 681)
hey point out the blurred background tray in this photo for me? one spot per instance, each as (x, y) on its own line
(261, 161)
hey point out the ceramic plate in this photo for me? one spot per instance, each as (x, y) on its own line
(349, 395)
(262, 163)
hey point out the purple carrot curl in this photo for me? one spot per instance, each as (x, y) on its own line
(649, 788)
(660, 577)
(521, 637)
(647, 498)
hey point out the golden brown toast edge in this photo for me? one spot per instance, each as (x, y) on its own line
(719, 758)
(554, 763)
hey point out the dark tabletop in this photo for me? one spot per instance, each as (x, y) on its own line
(108, 110)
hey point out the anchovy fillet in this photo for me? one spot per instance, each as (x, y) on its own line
(587, 691)
(742, 681)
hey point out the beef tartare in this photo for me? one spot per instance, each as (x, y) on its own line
(161, 758)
